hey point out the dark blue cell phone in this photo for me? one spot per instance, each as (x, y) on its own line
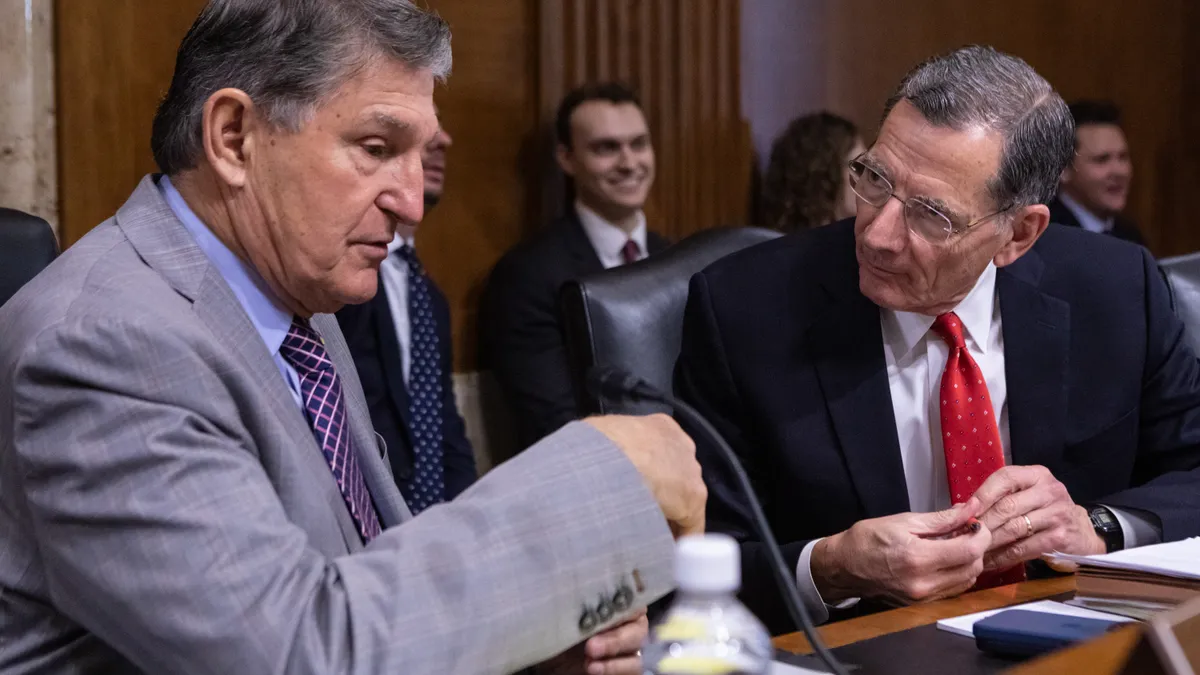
(1020, 632)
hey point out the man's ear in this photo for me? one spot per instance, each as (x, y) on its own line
(229, 127)
(562, 154)
(1028, 224)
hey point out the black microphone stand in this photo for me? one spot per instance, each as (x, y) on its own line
(614, 384)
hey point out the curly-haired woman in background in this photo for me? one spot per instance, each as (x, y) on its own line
(808, 181)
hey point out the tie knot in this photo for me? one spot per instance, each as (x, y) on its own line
(630, 251)
(304, 349)
(949, 327)
(409, 255)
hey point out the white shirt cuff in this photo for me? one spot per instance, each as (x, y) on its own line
(808, 588)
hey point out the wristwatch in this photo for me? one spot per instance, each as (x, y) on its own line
(1107, 527)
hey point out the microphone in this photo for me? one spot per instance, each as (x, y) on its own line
(615, 384)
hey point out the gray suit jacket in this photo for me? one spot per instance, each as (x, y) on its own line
(165, 508)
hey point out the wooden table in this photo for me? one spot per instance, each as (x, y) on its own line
(896, 620)
(1099, 657)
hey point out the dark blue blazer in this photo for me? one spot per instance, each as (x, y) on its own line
(784, 354)
(1123, 228)
(371, 334)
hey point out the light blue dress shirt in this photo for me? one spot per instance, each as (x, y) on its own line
(270, 318)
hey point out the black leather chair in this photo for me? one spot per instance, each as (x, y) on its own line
(1183, 278)
(631, 317)
(27, 245)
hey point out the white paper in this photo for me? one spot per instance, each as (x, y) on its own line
(1178, 559)
(964, 625)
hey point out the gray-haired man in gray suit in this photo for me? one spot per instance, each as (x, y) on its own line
(189, 482)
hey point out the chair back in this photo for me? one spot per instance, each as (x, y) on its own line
(27, 246)
(1183, 279)
(631, 317)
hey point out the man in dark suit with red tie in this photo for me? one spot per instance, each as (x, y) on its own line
(946, 355)
(604, 147)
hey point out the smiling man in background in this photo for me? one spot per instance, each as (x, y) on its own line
(604, 147)
(1094, 189)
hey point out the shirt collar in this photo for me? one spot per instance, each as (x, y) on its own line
(399, 242)
(1087, 220)
(270, 318)
(608, 239)
(906, 329)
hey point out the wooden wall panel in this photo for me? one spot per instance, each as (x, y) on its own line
(489, 107)
(1140, 54)
(114, 62)
(682, 58)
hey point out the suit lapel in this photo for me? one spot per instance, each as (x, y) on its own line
(388, 501)
(846, 343)
(389, 355)
(1036, 352)
(579, 246)
(655, 244)
(217, 307)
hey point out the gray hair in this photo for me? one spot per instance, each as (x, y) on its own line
(979, 86)
(287, 55)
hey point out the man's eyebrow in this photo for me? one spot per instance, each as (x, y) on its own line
(874, 165)
(618, 140)
(391, 123)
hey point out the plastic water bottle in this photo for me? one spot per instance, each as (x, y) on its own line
(707, 631)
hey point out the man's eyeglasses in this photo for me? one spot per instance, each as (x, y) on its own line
(922, 219)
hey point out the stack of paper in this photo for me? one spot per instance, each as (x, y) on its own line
(1138, 582)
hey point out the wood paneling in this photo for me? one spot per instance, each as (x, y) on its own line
(681, 56)
(1142, 55)
(114, 63)
(489, 107)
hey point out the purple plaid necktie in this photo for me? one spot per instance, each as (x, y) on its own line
(321, 391)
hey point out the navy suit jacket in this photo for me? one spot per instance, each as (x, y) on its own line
(784, 354)
(371, 334)
(521, 337)
(1123, 228)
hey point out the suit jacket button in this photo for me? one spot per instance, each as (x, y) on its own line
(589, 620)
(623, 599)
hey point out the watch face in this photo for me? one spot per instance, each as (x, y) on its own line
(1108, 528)
(1102, 519)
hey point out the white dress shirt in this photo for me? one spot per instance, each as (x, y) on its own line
(394, 271)
(1087, 220)
(915, 358)
(607, 239)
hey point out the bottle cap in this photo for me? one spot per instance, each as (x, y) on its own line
(708, 563)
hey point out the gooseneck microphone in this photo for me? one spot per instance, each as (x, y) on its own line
(617, 385)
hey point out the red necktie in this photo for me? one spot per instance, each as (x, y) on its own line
(970, 431)
(630, 252)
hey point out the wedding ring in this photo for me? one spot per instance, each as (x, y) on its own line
(1029, 527)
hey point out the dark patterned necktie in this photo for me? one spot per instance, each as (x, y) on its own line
(970, 430)
(428, 484)
(321, 391)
